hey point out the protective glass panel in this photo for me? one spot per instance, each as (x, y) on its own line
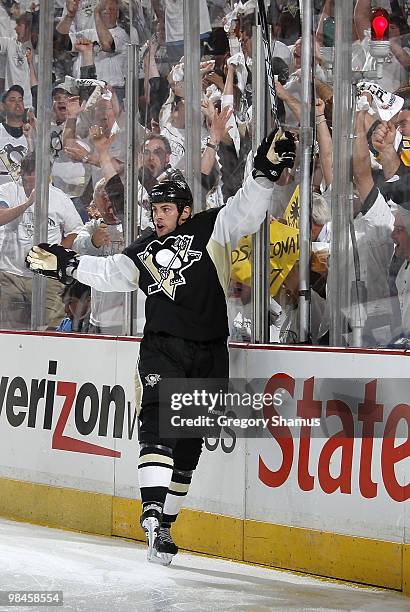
(357, 277)
(18, 33)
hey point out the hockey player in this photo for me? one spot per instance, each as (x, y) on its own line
(183, 268)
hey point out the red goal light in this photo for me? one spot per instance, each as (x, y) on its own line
(380, 24)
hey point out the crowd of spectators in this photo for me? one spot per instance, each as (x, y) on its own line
(88, 151)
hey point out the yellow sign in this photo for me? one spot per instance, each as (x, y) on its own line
(284, 252)
(292, 212)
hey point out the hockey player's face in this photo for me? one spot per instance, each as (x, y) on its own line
(165, 217)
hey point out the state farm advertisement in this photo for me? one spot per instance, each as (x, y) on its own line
(351, 474)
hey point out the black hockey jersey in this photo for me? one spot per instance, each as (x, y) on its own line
(184, 274)
(180, 280)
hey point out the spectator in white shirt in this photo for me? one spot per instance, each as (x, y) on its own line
(77, 15)
(17, 217)
(15, 135)
(103, 237)
(15, 49)
(109, 45)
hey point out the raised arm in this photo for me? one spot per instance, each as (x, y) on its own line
(102, 145)
(70, 11)
(217, 131)
(326, 12)
(246, 210)
(9, 214)
(74, 109)
(31, 67)
(383, 139)
(361, 159)
(362, 17)
(324, 140)
(104, 35)
(400, 52)
(289, 100)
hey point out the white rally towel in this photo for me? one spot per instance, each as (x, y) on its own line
(238, 60)
(384, 103)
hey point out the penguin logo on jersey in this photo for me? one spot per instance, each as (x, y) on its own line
(152, 379)
(166, 261)
(56, 144)
(11, 157)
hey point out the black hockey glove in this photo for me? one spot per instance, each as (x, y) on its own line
(52, 260)
(275, 153)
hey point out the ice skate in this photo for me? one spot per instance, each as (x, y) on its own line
(164, 546)
(150, 522)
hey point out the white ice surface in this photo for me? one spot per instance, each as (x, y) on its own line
(99, 574)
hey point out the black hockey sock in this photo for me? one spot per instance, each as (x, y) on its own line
(154, 473)
(177, 492)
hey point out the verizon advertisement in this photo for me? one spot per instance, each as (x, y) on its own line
(65, 415)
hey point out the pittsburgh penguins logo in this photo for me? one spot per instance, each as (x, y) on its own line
(291, 7)
(56, 143)
(11, 157)
(166, 261)
(152, 379)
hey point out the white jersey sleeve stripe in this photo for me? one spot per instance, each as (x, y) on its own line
(243, 213)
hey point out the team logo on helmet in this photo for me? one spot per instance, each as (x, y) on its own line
(166, 261)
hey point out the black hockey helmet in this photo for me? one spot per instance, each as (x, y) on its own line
(175, 190)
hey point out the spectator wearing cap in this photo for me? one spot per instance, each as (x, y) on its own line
(72, 177)
(15, 50)
(13, 136)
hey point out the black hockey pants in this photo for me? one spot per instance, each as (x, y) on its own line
(170, 357)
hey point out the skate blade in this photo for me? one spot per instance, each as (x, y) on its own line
(160, 558)
(150, 526)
